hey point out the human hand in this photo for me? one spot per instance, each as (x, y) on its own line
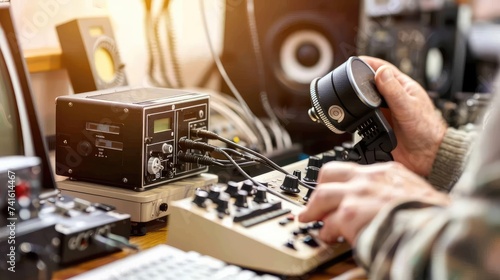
(418, 127)
(348, 196)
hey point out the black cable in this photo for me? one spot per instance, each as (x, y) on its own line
(211, 135)
(242, 172)
(259, 59)
(198, 159)
(204, 160)
(255, 123)
(203, 146)
(186, 143)
(112, 241)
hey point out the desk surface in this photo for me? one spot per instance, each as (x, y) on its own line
(157, 234)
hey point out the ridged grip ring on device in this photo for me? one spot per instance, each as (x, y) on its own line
(319, 111)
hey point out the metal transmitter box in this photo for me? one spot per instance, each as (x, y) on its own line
(127, 137)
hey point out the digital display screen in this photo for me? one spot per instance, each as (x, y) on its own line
(162, 125)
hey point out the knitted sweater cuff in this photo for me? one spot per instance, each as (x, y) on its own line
(450, 159)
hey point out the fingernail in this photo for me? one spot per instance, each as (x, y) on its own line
(386, 75)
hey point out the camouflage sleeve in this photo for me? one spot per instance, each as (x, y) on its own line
(416, 240)
(451, 157)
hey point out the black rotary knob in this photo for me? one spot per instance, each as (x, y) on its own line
(351, 155)
(348, 145)
(328, 156)
(260, 195)
(308, 195)
(232, 188)
(339, 153)
(298, 174)
(200, 197)
(290, 184)
(311, 174)
(214, 193)
(241, 199)
(223, 203)
(314, 161)
(248, 187)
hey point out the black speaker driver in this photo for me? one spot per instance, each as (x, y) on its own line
(300, 47)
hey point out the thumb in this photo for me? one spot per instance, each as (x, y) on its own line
(391, 89)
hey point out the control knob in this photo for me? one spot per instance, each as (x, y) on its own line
(241, 199)
(339, 153)
(311, 177)
(298, 174)
(223, 203)
(260, 195)
(214, 193)
(232, 188)
(200, 197)
(311, 174)
(314, 161)
(154, 165)
(328, 156)
(290, 184)
(167, 148)
(248, 187)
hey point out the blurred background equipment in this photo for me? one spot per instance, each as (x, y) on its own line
(21, 133)
(38, 226)
(19, 189)
(425, 39)
(90, 54)
(274, 49)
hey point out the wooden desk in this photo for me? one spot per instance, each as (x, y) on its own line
(157, 234)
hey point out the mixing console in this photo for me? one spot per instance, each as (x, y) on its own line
(246, 225)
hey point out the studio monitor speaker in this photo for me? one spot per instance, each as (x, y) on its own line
(90, 54)
(299, 41)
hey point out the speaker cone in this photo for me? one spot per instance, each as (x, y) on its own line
(300, 49)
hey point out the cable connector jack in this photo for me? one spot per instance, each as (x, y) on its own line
(193, 158)
(205, 134)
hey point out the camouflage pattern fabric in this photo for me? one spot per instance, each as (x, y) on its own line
(417, 240)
